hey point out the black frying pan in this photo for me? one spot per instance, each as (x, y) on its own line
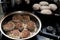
(53, 12)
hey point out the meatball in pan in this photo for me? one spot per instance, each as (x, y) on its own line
(25, 33)
(26, 18)
(14, 33)
(31, 26)
(19, 25)
(17, 18)
(9, 26)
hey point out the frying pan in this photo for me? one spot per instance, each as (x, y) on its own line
(9, 17)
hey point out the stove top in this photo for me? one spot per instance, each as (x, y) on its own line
(50, 23)
(50, 27)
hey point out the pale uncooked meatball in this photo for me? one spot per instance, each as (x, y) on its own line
(14, 33)
(43, 3)
(44, 7)
(53, 7)
(9, 26)
(25, 33)
(46, 12)
(36, 6)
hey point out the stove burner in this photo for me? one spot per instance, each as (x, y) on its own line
(49, 29)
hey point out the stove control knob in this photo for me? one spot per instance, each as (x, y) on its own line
(49, 29)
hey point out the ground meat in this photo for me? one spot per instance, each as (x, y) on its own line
(14, 33)
(26, 18)
(30, 26)
(25, 33)
(17, 18)
(9, 26)
(19, 25)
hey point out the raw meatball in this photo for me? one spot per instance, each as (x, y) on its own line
(9, 26)
(44, 3)
(25, 33)
(14, 33)
(26, 18)
(53, 7)
(46, 12)
(31, 26)
(36, 6)
(17, 18)
(44, 7)
(19, 25)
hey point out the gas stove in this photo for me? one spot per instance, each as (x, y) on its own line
(50, 23)
(50, 27)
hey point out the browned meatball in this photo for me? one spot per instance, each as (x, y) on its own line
(19, 25)
(9, 26)
(26, 18)
(30, 26)
(14, 33)
(25, 33)
(17, 18)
